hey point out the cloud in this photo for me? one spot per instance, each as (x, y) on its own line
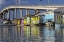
(2, 2)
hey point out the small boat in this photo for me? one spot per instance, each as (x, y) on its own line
(50, 24)
(8, 23)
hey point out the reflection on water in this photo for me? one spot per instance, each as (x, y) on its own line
(31, 33)
(49, 34)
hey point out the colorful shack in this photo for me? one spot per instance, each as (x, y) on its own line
(27, 20)
(22, 21)
(15, 21)
(18, 21)
(45, 17)
(40, 18)
(34, 19)
(30, 20)
(59, 16)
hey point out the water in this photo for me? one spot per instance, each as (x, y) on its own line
(31, 34)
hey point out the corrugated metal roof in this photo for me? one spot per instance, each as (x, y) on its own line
(44, 13)
(40, 14)
(59, 10)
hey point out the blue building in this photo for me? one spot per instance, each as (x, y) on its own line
(46, 17)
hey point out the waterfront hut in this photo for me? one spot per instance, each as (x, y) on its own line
(34, 19)
(44, 17)
(39, 19)
(59, 17)
(22, 20)
(30, 20)
(18, 21)
(15, 21)
(27, 20)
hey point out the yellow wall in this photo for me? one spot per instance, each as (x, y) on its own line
(59, 19)
(18, 22)
(15, 21)
(35, 20)
(25, 21)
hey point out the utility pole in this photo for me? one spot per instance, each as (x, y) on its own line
(16, 1)
(26, 2)
(41, 1)
(48, 1)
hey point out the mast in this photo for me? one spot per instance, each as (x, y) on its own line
(48, 1)
(41, 1)
(16, 1)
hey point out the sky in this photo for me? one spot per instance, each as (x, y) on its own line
(4, 3)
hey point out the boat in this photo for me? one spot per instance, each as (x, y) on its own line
(7, 23)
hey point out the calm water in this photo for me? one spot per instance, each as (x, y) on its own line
(31, 34)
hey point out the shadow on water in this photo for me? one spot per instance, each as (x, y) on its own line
(31, 34)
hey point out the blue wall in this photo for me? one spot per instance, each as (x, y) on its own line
(48, 17)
